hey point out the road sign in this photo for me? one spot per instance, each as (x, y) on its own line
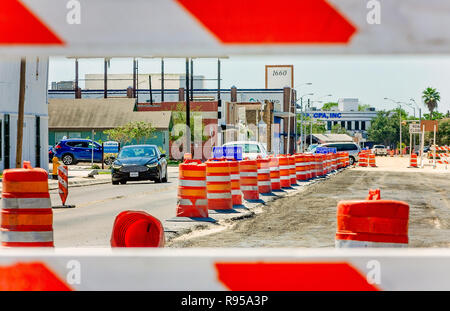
(414, 128)
(229, 152)
(223, 27)
(110, 147)
(279, 76)
(430, 125)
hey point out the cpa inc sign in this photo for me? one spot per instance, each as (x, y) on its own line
(324, 115)
(279, 76)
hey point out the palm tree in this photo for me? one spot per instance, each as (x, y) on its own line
(431, 97)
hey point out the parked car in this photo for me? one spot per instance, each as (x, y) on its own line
(379, 150)
(352, 149)
(73, 150)
(250, 149)
(139, 162)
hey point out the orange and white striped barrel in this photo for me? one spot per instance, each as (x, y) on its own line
(248, 170)
(218, 185)
(235, 178)
(372, 161)
(363, 159)
(372, 223)
(334, 161)
(292, 171)
(63, 183)
(319, 164)
(285, 177)
(192, 197)
(301, 167)
(324, 164)
(347, 159)
(341, 159)
(413, 160)
(26, 215)
(264, 183)
(308, 165)
(274, 173)
(313, 166)
(328, 162)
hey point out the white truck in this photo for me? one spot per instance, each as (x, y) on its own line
(379, 150)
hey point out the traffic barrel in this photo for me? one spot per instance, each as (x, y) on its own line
(192, 196)
(308, 165)
(319, 164)
(300, 167)
(363, 159)
(372, 223)
(292, 171)
(334, 161)
(248, 171)
(347, 159)
(137, 229)
(274, 173)
(26, 214)
(313, 166)
(285, 178)
(372, 161)
(328, 162)
(413, 160)
(218, 185)
(264, 183)
(236, 194)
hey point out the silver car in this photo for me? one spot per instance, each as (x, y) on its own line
(352, 149)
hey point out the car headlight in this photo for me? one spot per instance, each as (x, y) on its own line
(116, 166)
(151, 165)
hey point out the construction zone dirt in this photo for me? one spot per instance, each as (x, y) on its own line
(308, 219)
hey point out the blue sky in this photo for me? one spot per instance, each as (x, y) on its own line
(369, 78)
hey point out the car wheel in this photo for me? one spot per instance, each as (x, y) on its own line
(123, 182)
(68, 159)
(115, 182)
(159, 179)
(165, 176)
(352, 160)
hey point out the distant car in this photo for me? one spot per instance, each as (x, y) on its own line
(73, 150)
(139, 162)
(352, 149)
(379, 150)
(250, 149)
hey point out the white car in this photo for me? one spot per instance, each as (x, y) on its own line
(250, 149)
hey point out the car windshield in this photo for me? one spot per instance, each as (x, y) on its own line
(247, 148)
(135, 152)
(379, 146)
(312, 148)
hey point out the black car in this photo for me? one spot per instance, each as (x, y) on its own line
(139, 162)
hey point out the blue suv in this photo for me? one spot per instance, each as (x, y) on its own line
(71, 151)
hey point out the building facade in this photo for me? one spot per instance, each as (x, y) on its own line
(35, 127)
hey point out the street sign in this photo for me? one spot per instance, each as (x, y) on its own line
(414, 128)
(279, 76)
(223, 27)
(111, 147)
(228, 152)
(430, 125)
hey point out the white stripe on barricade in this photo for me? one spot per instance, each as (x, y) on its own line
(218, 178)
(249, 188)
(221, 269)
(219, 195)
(27, 236)
(188, 202)
(31, 203)
(191, 183)
(249, 174)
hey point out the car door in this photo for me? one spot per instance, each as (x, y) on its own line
(97, 151)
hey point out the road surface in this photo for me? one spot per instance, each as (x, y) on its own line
(90, 223)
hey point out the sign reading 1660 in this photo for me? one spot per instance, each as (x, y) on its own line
(279, 73)
(279, 76)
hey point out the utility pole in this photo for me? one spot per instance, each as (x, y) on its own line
(188, 110)
(150, 88)
(162, 79)
(301, 124)
(192, 79)
(310, 136)
(23, 65)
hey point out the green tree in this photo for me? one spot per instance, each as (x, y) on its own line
(328, 106)
(137, 130)
(443, 134)
(338, 129)
(436, 116)
(431, 97)
(317, 128)
(179, 117)
(384, 128)
(363, 107)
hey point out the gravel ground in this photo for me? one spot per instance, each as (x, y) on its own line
(308, 219)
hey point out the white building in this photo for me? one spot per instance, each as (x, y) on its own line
(35, 128)
(346, 114)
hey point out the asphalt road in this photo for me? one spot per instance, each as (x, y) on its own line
(90, 223)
